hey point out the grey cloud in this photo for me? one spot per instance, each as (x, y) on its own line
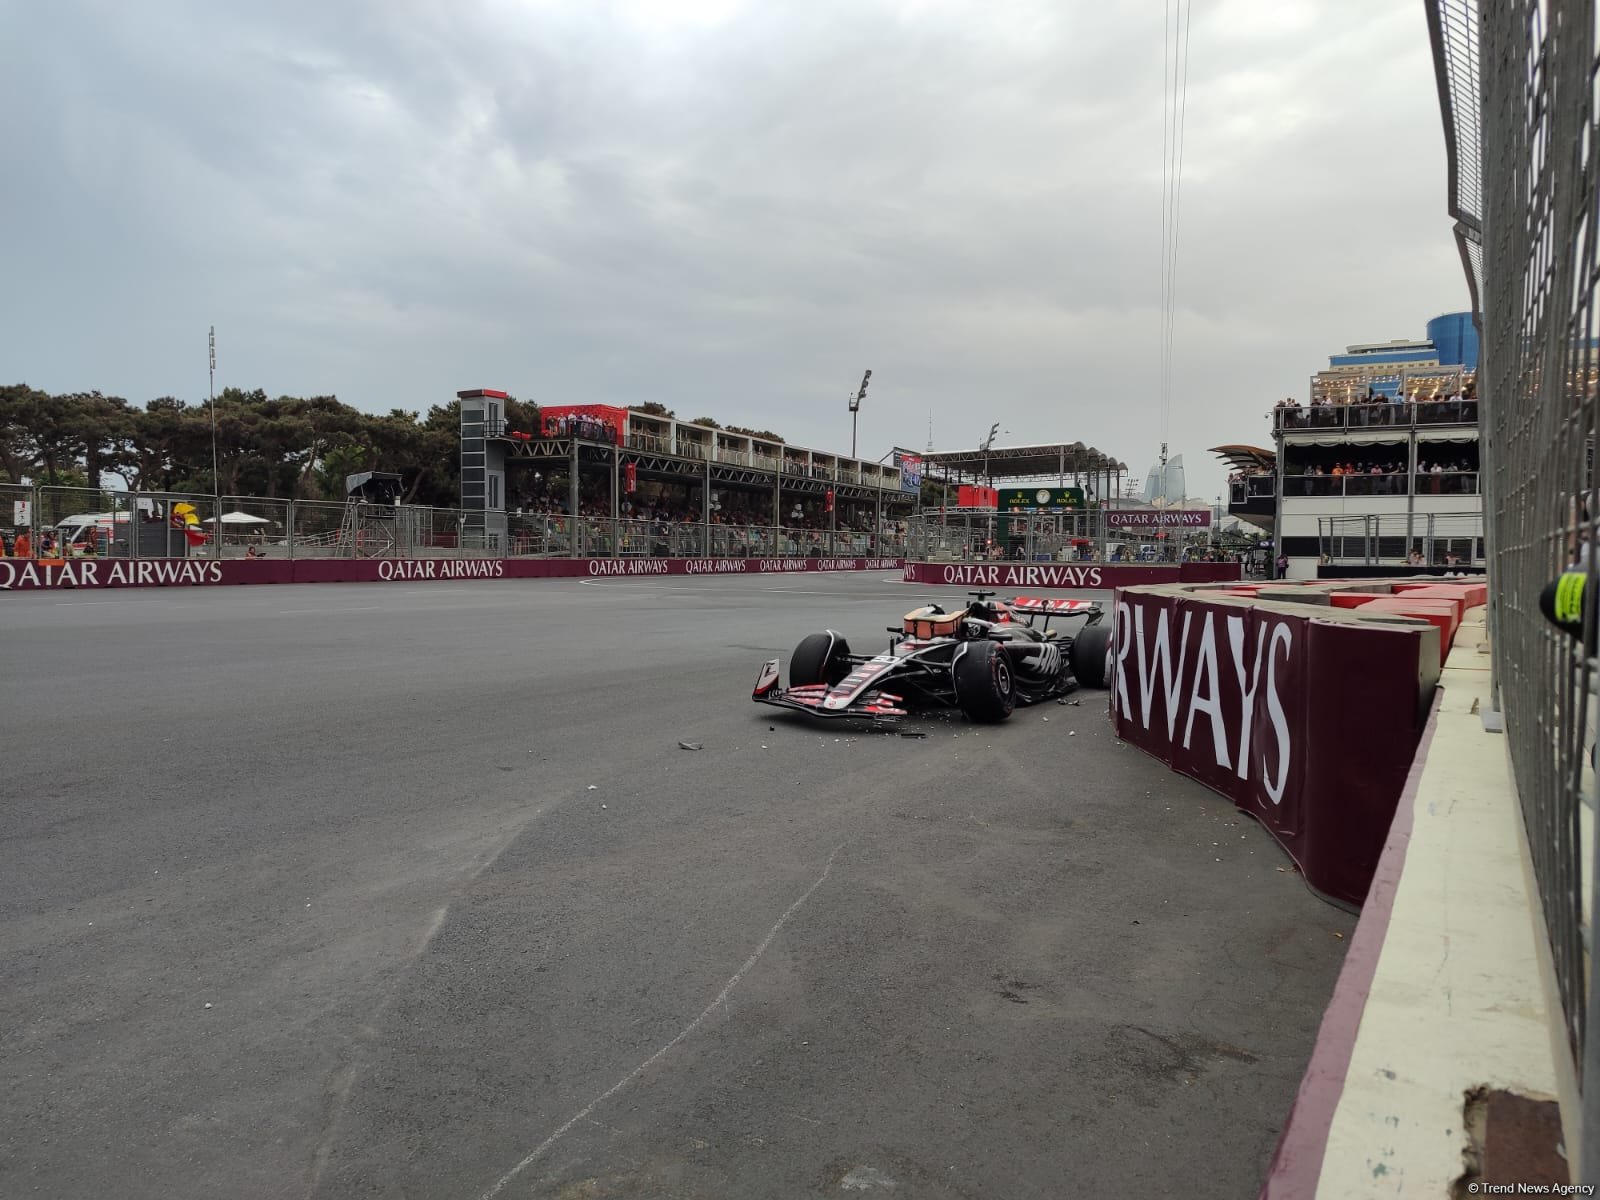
(394, 200)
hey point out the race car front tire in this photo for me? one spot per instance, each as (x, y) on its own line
(985, 688)
(1091, 651)
(819, 658)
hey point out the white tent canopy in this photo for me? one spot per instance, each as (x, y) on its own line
(240, 518)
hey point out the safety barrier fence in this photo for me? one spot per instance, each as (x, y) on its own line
(1519, 113)
(72, 523)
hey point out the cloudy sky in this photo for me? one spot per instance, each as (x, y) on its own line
(732, 207)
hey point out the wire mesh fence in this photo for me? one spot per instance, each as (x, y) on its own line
(74, 522)
(78, 522)
(1516, 84)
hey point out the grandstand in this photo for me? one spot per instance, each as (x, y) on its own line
(660, 484)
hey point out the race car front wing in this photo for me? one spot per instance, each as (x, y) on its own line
(813, 698)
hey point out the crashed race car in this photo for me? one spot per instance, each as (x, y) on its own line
(984, 659)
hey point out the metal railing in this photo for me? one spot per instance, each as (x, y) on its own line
(1519, 113)
(1396, 539)
(1069, 538)
(75, 522)
(1255, 487)
(862, 474)
(1376, 415)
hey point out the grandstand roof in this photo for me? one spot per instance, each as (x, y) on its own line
(1246, 458)
(1025, 462)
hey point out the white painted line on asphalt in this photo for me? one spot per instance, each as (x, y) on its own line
(294, 612)
(637, 585)
(721, 999)
(151, 603)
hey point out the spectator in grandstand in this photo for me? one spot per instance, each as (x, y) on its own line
(1415, 559)
(22, 547)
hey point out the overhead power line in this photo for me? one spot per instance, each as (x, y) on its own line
(1175, 97)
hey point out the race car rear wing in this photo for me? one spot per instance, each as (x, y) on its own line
(1041, 606)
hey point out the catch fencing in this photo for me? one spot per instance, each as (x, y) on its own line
(78, 522)
(68, 523)
(1516, 89)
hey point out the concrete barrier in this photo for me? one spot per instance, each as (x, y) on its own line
(1306, 718)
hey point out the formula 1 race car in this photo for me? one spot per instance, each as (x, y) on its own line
(983, 659)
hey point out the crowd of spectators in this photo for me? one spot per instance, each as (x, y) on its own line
(20, 543)
(662, 520)
(1468, 391)
(1359, 468)
(594, 429)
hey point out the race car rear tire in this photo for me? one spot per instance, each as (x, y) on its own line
(819, 658)
(1090, 653)
(985, 688)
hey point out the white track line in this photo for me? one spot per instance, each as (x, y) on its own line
(291, 612)
(721, 999)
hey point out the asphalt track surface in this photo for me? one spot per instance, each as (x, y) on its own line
(409, 890)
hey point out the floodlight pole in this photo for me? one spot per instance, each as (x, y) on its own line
(216, 478)
(216, 474)
(855, 409)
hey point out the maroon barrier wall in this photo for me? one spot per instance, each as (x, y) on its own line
(1068, 575)
(1307, 725)
(29, 575)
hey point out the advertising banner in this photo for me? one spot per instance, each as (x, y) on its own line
(1044, 499)
(1255, 704)
(1067, 575)
(910, 470)
(1165, 518)
(21, 574)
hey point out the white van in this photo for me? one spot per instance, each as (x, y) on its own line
(75, 531)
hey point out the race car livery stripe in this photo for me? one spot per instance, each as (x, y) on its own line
(856, 682)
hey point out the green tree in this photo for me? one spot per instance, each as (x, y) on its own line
(19, 449)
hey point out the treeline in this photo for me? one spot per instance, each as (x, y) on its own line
(289, 447)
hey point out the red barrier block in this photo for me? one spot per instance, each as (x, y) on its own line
(1354, 599)
(1445, 614)
(1475, 593)
(1465, 595)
